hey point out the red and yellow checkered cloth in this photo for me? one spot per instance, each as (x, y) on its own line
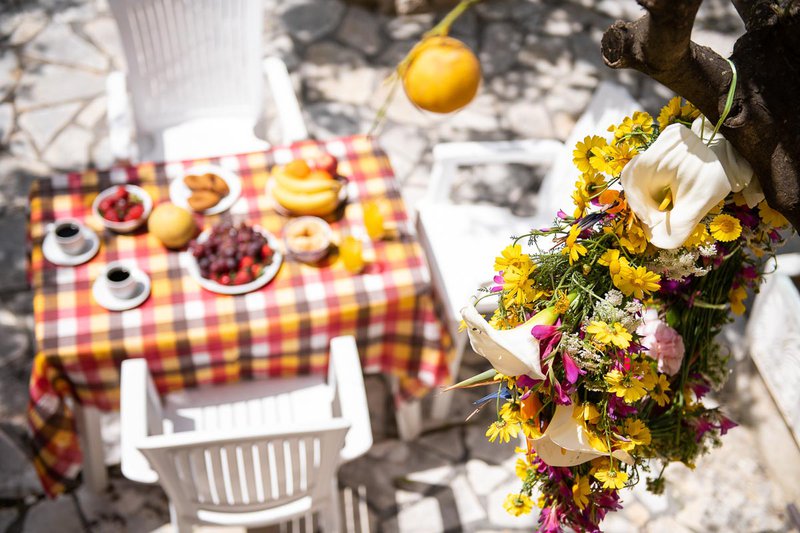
(193, 337)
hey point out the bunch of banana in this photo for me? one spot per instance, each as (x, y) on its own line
(304, 191)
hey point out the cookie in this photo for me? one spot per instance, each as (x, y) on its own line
(197, 182)
(202, 200)
(218, 185)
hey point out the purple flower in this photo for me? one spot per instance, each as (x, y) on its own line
(617, 408)
(548, 337)
(527, 382)
(498, 279)
(726, 424)
(701, 427)
(548, 520)
(562, 394)
(570, 368)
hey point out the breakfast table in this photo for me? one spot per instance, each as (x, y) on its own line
(192, 337)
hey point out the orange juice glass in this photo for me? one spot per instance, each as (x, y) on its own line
(373, 220)
(351, 251)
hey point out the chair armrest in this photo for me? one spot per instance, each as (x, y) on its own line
(140, 416)
(447, 157)
(347, 380)
(120, 123)
(292, 124)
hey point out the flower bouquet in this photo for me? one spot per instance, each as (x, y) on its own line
(602, 344)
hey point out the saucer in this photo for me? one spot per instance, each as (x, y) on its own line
(53, 252)
(102, 295)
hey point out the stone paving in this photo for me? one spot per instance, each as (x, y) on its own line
(541, 63)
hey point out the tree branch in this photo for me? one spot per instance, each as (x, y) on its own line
(762, 121)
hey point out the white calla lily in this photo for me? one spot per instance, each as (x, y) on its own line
(738, 170)
(673, 185)
(513, 352)
(566, 442)
(753, 194)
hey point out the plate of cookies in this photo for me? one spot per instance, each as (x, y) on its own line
(206, 189)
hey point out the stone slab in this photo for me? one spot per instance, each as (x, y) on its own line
(43, 124)
(57, 43)
(45, 84)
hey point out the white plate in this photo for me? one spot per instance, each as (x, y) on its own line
(343, 195)
(210, 285)
(53, 252)
(105, 299)
(179, 193)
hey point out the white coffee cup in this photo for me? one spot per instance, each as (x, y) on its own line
(120, 280)
(69, 235)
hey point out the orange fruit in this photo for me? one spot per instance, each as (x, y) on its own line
(442, 76)
(297, 168)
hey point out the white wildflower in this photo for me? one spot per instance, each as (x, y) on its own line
(708, 251)
(678, 264)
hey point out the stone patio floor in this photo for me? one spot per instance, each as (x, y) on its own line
(541, 63)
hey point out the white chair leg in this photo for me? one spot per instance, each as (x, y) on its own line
(87, 419)
(178, 525)
(409, 419)
(440, 408)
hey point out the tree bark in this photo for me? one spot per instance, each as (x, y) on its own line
(762, 124)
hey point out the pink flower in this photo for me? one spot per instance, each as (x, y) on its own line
(664, 344)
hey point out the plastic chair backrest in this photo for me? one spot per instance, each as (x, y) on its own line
(609, 105)
(190, 59)
(246, 471)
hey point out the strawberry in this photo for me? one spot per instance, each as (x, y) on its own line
(120, 193)
(242, 277)
(135, 211)
(225, 279)
(106, 204)
(111, 215)
(266, 251)
(255, 271)
(246, 262)
(326, 162)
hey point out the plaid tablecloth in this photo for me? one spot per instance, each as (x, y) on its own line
(192, 337)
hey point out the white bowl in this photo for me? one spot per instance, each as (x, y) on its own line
(309, 256)
(130, 225)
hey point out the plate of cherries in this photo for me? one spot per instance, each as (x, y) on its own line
(233, 259)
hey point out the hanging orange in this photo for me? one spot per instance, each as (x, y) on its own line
(442, 75)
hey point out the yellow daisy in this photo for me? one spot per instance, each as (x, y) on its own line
(610, 258)
(517, 504)
(610, 477)
(737, 297)
(599, 159)
(637, 281)
(669, 112)
(502, 430)
(620, 154)
(637, 432)
(530, 428)
(511, 256)
(522, 468)
(572, 248)
(698, 237)
(725, 228)
(583, 150)
(625, 386)
(770, 216)
(510, 412)
(659, 391)
(517, 284)
(581, 491)
(614, 333)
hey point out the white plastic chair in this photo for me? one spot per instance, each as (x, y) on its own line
(249, 454)
(195, 76)
(461, 241)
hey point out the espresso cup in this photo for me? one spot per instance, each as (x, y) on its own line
(69, 236)
(119, 280)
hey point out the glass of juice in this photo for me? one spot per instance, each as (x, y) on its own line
(373, 220)
(351, 250)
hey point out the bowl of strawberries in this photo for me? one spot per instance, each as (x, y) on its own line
(123, 208)
(233, 258)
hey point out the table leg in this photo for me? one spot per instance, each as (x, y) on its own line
(440, 409)
(87, 419)
(408, 414)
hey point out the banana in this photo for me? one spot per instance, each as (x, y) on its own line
(307, 185)
(318, 203)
